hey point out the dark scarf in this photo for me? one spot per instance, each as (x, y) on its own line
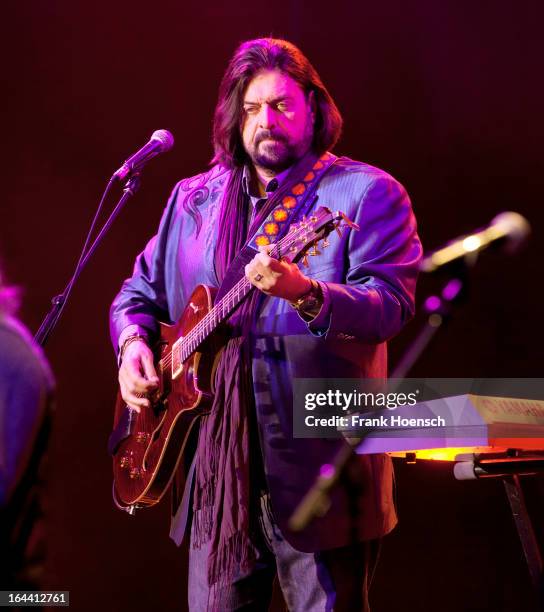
(226, 493)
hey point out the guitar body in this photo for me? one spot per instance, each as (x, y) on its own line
(147, 446)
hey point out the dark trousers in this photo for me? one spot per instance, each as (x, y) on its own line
(336, 579)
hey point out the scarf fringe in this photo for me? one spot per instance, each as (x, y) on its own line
(236, 554)
(204, 508)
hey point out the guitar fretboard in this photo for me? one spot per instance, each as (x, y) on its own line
(184, 348)
(295, 242)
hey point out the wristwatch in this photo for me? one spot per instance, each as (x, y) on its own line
(311, 301)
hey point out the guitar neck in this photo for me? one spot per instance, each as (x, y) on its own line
(295, 243)
(209, 323)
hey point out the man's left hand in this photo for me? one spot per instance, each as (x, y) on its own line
(279, 278)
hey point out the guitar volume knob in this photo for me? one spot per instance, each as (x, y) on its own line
(126, 461)
(142, 437)
(135, 473)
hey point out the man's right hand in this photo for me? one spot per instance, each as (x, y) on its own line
(137, 375)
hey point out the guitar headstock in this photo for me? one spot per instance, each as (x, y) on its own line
(304, 237)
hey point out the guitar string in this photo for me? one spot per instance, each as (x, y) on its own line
(213, 317)
(241, 286)
(210, 317)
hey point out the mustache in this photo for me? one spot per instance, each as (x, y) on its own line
(269, 134)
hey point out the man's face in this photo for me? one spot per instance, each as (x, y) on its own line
(278, 121)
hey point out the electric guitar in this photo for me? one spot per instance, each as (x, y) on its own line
(148, 446)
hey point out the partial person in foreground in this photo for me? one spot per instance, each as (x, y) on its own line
(26, 395)
(274, 126)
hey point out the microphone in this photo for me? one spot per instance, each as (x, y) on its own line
(160, 142)
(510, 227)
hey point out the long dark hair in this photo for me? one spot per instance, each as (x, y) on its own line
(251, 57)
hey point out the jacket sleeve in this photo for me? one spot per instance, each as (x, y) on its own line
(26, 394)
(142, 301)
(378, 295)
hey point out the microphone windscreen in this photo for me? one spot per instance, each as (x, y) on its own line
(165, 138)
(514, 227)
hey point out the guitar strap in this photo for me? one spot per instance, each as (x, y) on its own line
(292, 207)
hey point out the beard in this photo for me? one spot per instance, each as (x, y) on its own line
(276, 152)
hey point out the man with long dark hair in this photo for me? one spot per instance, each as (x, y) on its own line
(274, 126)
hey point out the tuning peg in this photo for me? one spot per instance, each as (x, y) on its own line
(305, 261)
(338, 230)
(349, 222)
(314, 251)
(325, 243)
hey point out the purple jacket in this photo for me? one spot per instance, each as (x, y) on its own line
(368, 279)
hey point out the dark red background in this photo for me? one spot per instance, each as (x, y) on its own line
(447, 96)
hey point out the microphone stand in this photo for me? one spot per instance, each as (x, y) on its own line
(59, 301)
(439, 309)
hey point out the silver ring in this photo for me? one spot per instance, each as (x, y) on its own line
(258, 278)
